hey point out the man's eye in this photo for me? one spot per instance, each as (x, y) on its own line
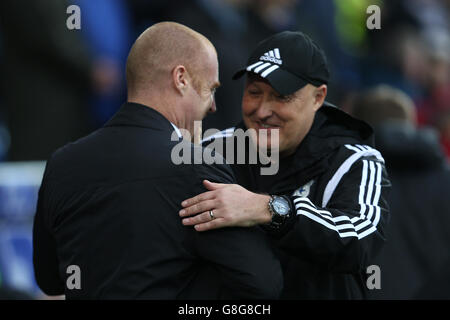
(283, 98)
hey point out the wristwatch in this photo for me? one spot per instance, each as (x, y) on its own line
(280, 208)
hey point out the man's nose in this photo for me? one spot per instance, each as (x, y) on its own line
(264, 109)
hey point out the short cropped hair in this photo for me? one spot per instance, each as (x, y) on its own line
(159, 49)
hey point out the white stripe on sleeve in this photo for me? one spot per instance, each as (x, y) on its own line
(360, 152)
(368, 198)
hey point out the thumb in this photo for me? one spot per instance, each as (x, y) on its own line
(212, 185)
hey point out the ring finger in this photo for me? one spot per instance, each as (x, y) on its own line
(200, 218)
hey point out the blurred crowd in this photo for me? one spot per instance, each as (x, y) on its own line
(57, 85)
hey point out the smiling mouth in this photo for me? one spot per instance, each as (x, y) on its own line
(267, 126)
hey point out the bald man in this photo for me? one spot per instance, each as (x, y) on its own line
(107, 224)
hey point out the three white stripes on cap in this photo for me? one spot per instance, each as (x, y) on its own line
(273, 56)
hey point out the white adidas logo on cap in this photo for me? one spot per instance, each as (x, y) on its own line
(267, 67)
(272, 56)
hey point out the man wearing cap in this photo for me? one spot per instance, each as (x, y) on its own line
(326, 205)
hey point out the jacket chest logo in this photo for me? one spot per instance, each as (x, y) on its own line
(303, 191)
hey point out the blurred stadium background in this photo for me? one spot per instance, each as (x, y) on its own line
(58, 84)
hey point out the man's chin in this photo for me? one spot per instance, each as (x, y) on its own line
(264, 144)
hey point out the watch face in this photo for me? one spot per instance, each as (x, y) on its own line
(280, 206)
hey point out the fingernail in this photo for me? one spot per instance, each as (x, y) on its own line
(182, 212)
(184, 203)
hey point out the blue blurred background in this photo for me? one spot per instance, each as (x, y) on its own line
(57, 85)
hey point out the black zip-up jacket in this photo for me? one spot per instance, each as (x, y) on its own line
(337, 185)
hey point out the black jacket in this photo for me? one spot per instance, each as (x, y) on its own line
(415, 262)
(109, 204)
(337, 185)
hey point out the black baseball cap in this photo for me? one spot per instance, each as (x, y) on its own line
(288, 61)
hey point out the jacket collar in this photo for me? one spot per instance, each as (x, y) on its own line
(133, 114)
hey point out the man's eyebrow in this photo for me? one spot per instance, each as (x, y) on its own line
(216, 85)
(286, 96)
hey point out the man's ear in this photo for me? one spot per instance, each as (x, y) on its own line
(180, 78)
(320, 94)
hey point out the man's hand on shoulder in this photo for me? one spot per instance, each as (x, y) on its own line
(225, 205)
